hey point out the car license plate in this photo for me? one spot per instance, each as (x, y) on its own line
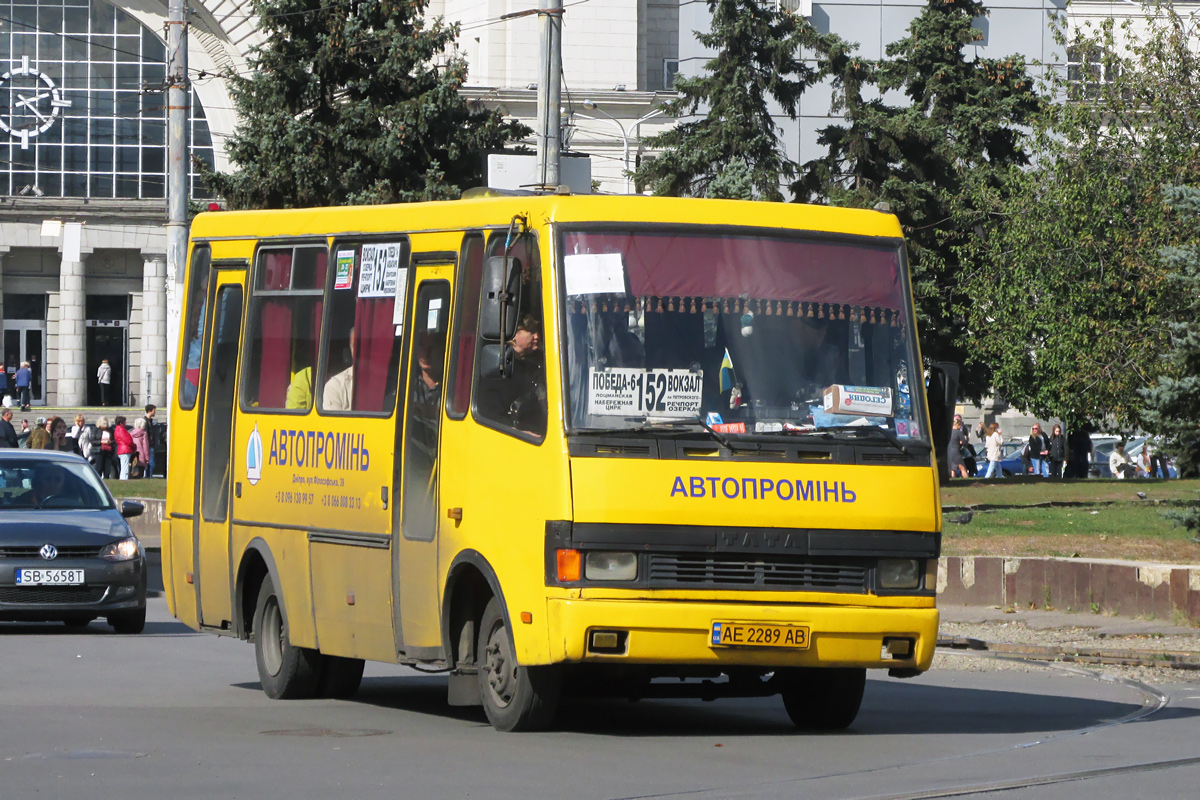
(49, 577)
(756, 634)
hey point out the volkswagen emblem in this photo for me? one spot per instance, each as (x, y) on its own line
(49, 552)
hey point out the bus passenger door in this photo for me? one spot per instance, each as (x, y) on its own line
(418, 617)
(214, 584)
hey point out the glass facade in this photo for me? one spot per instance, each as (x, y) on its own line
(83, 105)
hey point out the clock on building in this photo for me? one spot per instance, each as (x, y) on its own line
(29, 102)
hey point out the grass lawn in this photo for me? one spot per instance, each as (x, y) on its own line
(150, 488)
(1082, 519)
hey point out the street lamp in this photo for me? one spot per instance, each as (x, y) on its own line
(606, 117)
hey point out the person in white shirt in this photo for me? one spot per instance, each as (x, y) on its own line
(1120, 463)
(995, 451)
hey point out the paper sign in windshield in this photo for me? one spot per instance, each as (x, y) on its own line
(380, 265)
(594, 273)
(875, 401)
(645, 392)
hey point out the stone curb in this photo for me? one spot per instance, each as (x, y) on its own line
(1125, 588)
(1173, 659)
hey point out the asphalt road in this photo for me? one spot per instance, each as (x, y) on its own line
(172, 713)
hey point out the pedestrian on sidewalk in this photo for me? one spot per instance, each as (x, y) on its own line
(141, 450)
(39, 437)
(23, 378)
(4, 388)
(105, 458)
(59, 440)
(1120, 464)
(1058, 452)
(124, 444)
(104, 377)
(153, 431)
(995, 451)
(8, 435)
(1039, 451)
(81, 432)
(1079, 443)
(954, 451)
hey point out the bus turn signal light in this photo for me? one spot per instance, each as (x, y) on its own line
(569, 565)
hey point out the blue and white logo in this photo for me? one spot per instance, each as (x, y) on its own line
(49, 552)
(254, 457)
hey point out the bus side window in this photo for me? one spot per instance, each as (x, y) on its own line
(285, 326)
(362, 352)
(466, 315)
(189, 371)
(516, 400)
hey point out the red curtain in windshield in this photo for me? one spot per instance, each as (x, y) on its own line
(687, 265)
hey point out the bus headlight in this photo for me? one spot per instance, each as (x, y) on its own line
(899, 573)
(610, 566)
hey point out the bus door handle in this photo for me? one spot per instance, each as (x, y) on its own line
(383, 495)
(237, 488)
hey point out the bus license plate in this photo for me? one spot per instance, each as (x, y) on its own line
(49, 577)
(755, 634)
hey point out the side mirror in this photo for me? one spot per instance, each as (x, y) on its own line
(500, 298)
(131, 508)
(940, 397)
(495, 361)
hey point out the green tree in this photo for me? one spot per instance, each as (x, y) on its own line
(1072, 299)
(958, 128)
(355, 103)
(757, 61)
(1173, 403)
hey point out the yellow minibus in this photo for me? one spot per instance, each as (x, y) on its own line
(557, 445)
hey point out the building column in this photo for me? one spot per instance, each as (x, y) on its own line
(3, 252)
(72, 350)
(154, 329)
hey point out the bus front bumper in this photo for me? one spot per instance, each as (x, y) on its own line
(681, 633)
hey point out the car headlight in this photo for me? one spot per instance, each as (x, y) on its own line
(610, 566)
(124, 550)
(899, 573)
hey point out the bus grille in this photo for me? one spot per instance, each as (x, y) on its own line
(51, 594)
(757, 573)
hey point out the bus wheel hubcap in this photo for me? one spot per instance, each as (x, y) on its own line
(501, 668)
(272, 634)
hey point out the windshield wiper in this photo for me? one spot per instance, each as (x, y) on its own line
(652, 426)
(887, 435)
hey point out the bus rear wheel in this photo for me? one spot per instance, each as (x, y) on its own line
(287, 672)
(515, 698)
(823, 699)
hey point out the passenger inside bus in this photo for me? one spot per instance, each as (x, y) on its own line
(339, 389)
(299, 390)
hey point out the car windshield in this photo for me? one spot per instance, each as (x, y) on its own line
(43, 484)
(747, 334)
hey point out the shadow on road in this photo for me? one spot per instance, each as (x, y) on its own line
(97, 627)
(889, 707)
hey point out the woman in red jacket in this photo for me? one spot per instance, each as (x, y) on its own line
(124, 444)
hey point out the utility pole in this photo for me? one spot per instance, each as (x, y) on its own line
(179, 96)
(549, 135)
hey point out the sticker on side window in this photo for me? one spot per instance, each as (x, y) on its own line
(672, 393)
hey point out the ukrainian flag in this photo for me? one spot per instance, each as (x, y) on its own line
(727, 375)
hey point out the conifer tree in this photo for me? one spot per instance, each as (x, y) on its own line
(355, 103)
(757, 60)
(1173, 403)
(958, 125)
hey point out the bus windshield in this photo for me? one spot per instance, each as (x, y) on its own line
(748, 334)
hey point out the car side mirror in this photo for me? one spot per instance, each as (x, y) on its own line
(131, 508)
(500, 298)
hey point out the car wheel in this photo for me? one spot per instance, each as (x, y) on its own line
(77, 622)
(128, 621)
(1006, 473)
(286, 671)
(823, 699)
(340, 677)
(515, 698)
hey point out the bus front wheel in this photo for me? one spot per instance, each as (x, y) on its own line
(287, 672)
(515, 698)
(823, 699)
